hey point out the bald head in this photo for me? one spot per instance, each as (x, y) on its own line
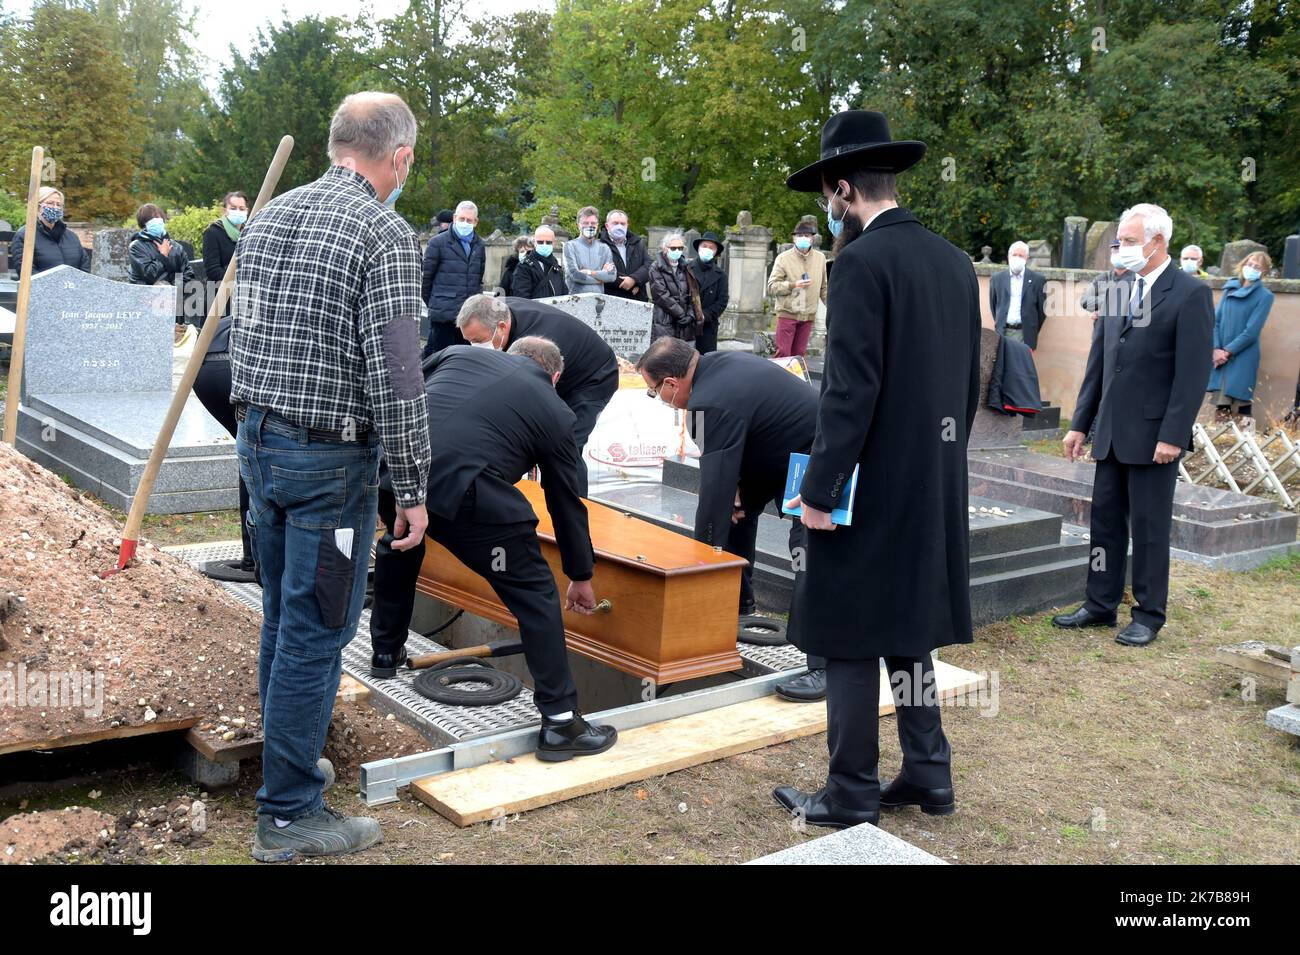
(544, 234)
(370, 127)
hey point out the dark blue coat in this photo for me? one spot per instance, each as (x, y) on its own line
(1238, 321)
(451, 276)
(54, 247)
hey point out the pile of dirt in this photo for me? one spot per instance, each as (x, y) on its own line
(69, 833)
(80, 655)
(359, 734)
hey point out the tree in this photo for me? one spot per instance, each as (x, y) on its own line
(66, 87)
(291, 82)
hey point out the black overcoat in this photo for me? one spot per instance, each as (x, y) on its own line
(899, 392)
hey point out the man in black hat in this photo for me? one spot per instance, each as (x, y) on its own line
(442, 221)
(713, 288)
(898, 397)
(590, 366)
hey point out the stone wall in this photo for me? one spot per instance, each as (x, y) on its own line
(1067, 335)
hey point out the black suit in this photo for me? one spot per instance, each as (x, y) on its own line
(1033, 297)
(1143, 383)
(898, 397)
(747, 414)
(496, 416)
(590, 375)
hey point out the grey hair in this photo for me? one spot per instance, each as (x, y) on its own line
(1155, 221)
(663, 243)
(466, 204)
(483, 308)
(1018, 244)
(541, 350)
(371, 125)
(1200, 253)
(588, 211)
(614, 212)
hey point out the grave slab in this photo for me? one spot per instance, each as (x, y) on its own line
(860, 845)
(621, 322)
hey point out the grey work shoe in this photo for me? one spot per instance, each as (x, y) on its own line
(326, 833)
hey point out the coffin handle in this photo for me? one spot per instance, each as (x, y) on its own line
(605, 606)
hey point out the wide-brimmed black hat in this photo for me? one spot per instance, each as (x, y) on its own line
(709, 237)
(863, 135)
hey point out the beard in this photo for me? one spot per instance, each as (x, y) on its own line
(852, 229)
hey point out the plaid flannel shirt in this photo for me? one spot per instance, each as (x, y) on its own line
(325, 326)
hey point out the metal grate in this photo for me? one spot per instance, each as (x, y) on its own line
(758, 660)
(441, 723)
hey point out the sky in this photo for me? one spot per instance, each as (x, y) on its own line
(223, 22)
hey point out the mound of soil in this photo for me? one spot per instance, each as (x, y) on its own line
(157, 643)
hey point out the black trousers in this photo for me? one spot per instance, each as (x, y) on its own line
(707, 340)
(586, 406)
(742, 540)
(510, 559)
(441, 335)
(1136, 498)
(212, 388)
(853, 728)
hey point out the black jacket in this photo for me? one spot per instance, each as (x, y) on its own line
(747, 414)
(218, 250)
(590, 366)
(54, 247)
(674, 291)
(451, 276)
(1146, 374)
(1013, 385)
(146, 265)
(497, 417)
(899, 392)
(1033, 299)
(637, 266)
(508, 273)
(713, 289)
(538, 277)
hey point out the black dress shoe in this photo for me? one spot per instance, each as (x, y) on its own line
(818, 809)
(933, 802)
(232, 571)
(559, 741)
(384, 666)
(1083, 617)
(808, 688)
(1135, 635)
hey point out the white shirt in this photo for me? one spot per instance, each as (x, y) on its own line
(1148, 280)
(1017, 289)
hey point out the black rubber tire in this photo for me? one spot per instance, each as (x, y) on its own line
(438, 683)
(761, 631)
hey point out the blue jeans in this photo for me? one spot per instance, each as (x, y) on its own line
(301, 490)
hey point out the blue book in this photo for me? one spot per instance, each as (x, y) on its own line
(842, 513)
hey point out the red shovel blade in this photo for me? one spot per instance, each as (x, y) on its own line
(124, 555)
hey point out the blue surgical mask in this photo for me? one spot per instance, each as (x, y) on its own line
(51, 215)
(1130, 257)
(674, 255)
(1250, 274)
(706, 255)
(803, 244)
(835, 225)
(543, 249)
(397, 193)
(237, 217)
(463, 229)
(156, 228)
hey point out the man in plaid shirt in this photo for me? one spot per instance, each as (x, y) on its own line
(325, 369)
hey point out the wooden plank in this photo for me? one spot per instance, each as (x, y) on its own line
(94, 736)
(225, 751)
(352, 690)
(1251, 657)
(485, 792)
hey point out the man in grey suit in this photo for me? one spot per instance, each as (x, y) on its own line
(1017, 297)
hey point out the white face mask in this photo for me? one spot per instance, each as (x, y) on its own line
(1129, 257)
(1190, 266)
(1017, 263)
(483, 344)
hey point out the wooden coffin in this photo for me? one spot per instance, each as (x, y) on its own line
(673, 599)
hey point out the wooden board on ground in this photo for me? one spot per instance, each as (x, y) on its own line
(225, 751)
(351, 690)
(485, 792)
(1253, 657)
(115, 732)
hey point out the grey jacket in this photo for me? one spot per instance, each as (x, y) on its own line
(578, 255)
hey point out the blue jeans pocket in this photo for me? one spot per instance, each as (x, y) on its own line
(334, 577)
(311, 499)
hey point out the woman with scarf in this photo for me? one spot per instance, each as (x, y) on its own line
(675, 292)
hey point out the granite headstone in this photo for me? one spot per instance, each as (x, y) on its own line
(1235, 252)
(621, 322)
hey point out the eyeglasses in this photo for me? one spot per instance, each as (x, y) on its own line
(654, 392)
(676, 248)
